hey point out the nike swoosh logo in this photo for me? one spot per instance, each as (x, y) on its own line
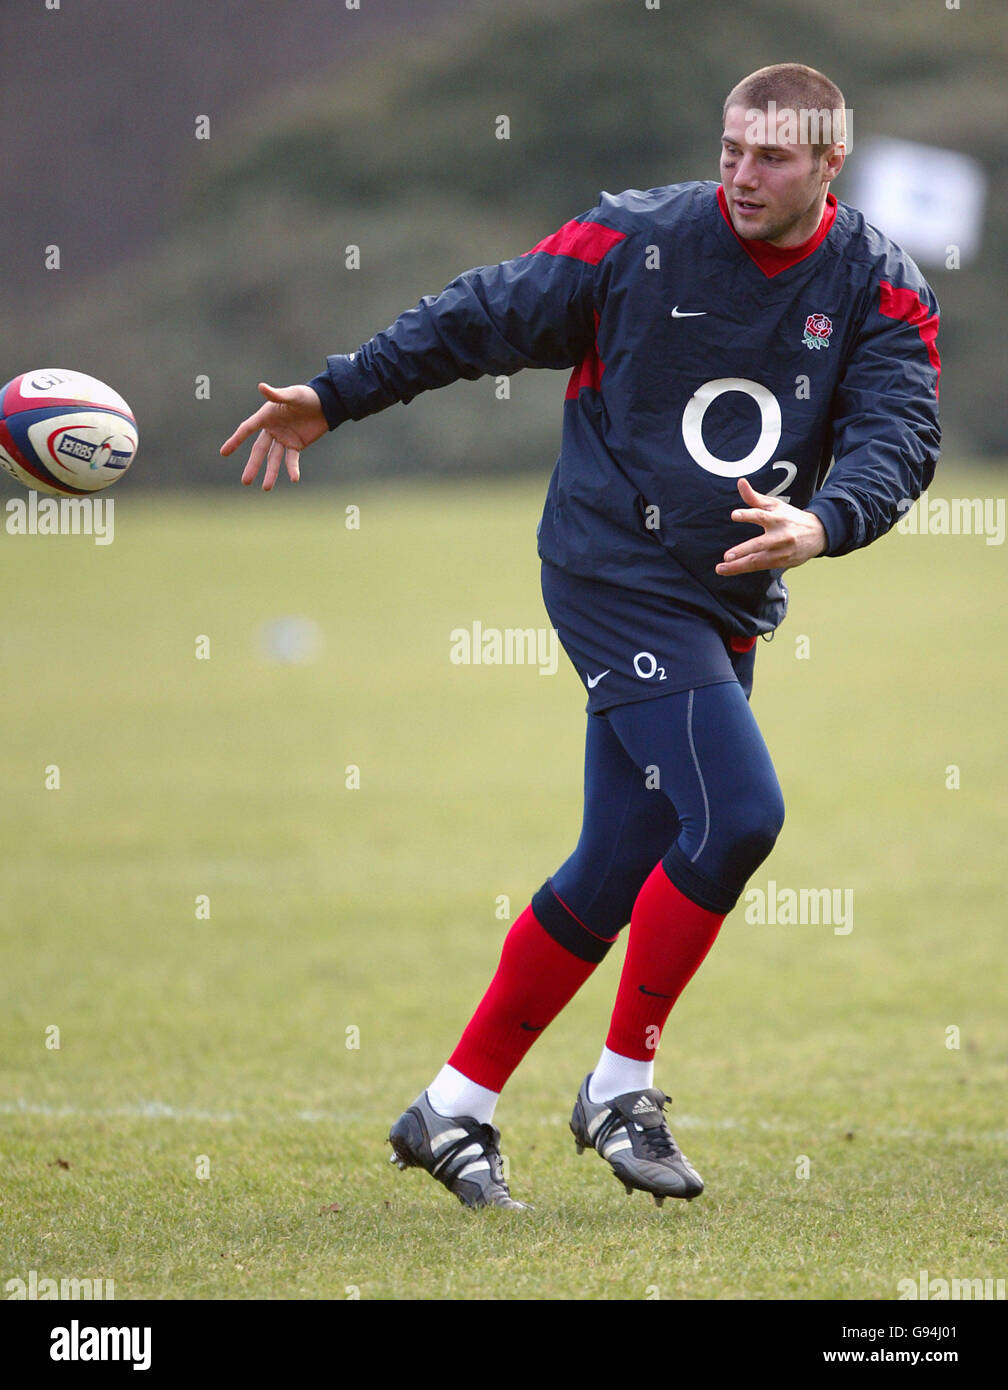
(594, 680)
(678, 313)
(654, 993)
(529, 1028)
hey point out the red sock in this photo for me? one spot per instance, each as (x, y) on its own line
(669, 938)
(535, 979)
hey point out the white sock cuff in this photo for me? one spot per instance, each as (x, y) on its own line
(615, 1075)
(451, 1093)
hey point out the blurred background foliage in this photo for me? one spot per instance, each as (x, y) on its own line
(225, 258)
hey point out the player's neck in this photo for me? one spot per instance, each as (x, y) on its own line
(802, 231)
(773, 258)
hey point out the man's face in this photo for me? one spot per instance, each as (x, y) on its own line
(775, 192)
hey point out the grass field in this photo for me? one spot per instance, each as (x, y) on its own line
(207, 1127)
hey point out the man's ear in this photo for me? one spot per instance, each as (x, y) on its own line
(833, 161)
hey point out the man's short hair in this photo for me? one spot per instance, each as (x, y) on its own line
(794, 87)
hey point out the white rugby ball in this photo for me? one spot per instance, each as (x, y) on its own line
(65, 432)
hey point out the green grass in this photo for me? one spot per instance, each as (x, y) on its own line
(375, 910)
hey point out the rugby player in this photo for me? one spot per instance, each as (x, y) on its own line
(754, 384)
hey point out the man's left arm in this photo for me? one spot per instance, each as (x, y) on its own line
(886, 433)
(886, 438)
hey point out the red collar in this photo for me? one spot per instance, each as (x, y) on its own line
(773, 259)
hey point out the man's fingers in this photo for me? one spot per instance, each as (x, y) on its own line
(270, 451)
(755, 516)
(254, 422)
(760, 510)
(744, 563)
(749, 494)
(288, 421)
(760, 553)
(246, 428)
(790, 536)
(276, 453)
(756, 546)
(255, 458)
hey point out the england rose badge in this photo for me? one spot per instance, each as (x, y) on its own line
(817, 331)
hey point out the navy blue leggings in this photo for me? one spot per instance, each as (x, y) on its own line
(685, 779)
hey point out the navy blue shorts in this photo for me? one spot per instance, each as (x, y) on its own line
(629, 647)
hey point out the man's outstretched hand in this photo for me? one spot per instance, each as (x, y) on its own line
(790, 536)
(290, 420)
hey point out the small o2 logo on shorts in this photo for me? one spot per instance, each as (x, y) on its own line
(647, 667)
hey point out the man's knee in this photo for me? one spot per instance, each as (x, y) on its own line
(603, 904)
(752, 831)
(589, 941)
(600, 881)
(735, 842)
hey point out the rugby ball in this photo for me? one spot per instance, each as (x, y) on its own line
(65, 432)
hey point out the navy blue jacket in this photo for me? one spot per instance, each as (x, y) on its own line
(691, 366)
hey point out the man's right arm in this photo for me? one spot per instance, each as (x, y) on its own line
(538, 310)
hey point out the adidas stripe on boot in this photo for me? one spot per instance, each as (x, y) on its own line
(630, 1133)
(460, 1152)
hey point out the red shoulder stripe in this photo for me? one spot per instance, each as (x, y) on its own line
(904, 304)
(588, 242)
(585, 241)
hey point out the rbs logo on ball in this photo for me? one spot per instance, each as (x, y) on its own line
(68, 447)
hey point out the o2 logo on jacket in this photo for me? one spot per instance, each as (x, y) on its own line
(766, 444)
